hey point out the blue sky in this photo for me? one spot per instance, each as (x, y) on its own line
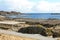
(31, 6)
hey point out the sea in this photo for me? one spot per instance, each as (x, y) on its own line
(36, 15)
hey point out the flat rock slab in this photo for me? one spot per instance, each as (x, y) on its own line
(13, 37)
(34, 36)
(9, 22)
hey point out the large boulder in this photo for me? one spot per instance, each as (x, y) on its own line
(55, 35)
(33, 30)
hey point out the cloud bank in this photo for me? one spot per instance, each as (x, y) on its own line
(50, 7)
(27, 6)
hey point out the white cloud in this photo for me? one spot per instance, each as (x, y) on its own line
(22, 5)
(27, 6)
(45, 6)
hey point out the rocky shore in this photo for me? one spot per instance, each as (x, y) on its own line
(44, 27)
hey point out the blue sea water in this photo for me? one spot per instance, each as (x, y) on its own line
(37, 15)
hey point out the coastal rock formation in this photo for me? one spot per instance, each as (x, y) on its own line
(56, 31)
(5, 13)
(33, 30)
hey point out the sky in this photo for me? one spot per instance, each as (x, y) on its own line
(31, 6)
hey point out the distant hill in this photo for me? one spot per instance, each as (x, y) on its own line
(9, 13)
